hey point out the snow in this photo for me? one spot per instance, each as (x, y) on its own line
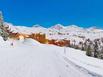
(29, 58)
(57, 27)
(78, 57)
(31, 42)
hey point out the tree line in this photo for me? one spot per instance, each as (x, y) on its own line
(93, 48)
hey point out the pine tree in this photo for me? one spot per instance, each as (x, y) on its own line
(96, 49)
(3, 31)
(88, 47)
(88, 52)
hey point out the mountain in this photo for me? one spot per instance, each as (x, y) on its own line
(37, 26)
(59, 31)
(74, 28)
(57, 27)
(94, 29)
(24, 29)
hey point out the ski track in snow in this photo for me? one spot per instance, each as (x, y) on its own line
(81, 68)
(71, 69)
(77, 67)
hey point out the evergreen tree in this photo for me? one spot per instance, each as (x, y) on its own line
(96, 49)
(88, 48)
(88, 51)
(3, 31)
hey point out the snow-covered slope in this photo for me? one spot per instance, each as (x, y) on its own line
(78, 58)
(32, 59)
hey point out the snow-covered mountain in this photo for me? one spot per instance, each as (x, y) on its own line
(57, 27)
(37, 26)
(74, 27)
(59, 31)
(94, 29)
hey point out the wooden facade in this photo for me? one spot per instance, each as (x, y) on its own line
(59, 42)
(39, 37)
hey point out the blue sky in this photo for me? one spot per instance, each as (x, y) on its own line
(84, 13)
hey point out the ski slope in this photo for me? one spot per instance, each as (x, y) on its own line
(32, 59)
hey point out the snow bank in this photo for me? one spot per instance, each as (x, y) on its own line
(79, 58)
(4, 43)
(15, 43)
(31, 42)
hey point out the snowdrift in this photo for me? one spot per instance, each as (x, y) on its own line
(79, 59)
(31, 42)
(4, 43)
(12, 42)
